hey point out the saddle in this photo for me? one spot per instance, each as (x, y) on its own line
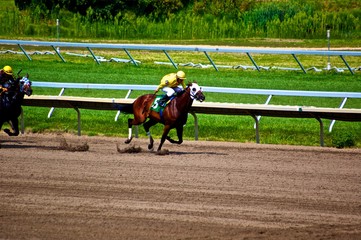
(156, 106)
(5, 101)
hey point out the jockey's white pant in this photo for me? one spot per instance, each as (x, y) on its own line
(170, 91)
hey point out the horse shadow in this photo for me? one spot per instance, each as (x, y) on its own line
(196, 153)
(21, 145)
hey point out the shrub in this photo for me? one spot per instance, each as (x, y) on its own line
(343, 140)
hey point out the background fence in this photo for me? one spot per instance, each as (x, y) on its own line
(206, 50)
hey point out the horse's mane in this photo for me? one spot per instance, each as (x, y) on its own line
(184, 90)
(181, 92)
(190, 83)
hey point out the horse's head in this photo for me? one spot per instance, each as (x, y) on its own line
(25, 86)
(196, 92)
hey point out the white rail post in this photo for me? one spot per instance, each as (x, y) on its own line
(322, 142)
(118, 113)
(52, 109)
(57, 33)
(328, 47)
(79, 121)
(257, 127)
(196, 129)
(333, 121)
(22, 121)
(266, 103)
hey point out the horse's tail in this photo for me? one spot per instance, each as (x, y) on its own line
(126, 108)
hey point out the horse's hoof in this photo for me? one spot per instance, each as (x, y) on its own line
(128, 140)
(8, 132)
(163, 152)
(150, 148)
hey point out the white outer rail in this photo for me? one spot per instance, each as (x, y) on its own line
(165, 48)
(254, 110)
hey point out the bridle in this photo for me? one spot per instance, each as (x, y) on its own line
(194, 92)
(25, 85)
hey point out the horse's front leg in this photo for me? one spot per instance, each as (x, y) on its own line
(1, 123)
(164, 137)
(14, 123)
(179, 134)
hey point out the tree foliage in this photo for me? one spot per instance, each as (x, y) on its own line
(108, 9)
(163, 9)
(186, 19)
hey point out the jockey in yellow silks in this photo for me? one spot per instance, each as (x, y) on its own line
(170, 85)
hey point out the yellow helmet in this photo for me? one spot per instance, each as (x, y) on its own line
(181, 75)
(8, 70)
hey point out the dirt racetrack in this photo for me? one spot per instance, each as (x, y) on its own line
(201, 190)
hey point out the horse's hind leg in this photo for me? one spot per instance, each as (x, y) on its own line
(131, 123)
(147, 125)
(140, 113)
(130, 130)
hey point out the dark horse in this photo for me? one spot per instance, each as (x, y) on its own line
(10, 104)
(174, 115)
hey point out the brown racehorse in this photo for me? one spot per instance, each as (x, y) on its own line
(174, 115)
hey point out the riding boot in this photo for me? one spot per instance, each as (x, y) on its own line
(163, 101)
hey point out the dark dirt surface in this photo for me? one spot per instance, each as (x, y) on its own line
(201, 190)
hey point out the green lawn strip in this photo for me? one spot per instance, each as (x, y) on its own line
(212, 127)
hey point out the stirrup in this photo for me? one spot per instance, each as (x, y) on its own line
(163, 102)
